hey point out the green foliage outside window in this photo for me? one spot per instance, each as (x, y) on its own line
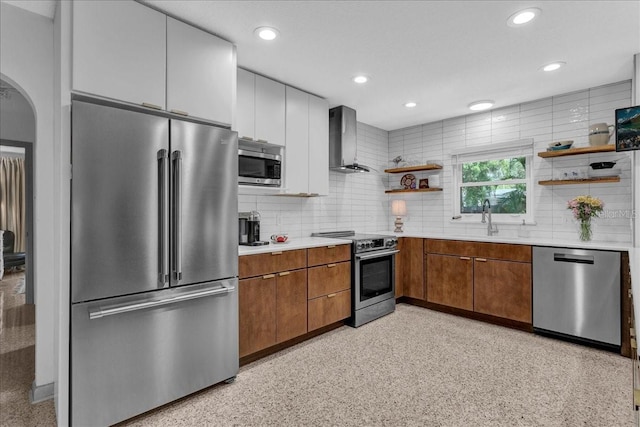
(493, 182)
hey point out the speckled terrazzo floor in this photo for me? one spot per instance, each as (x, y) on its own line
(418, 367)
(17, 359)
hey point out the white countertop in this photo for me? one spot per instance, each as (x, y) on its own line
(534, 241)
(294, 243)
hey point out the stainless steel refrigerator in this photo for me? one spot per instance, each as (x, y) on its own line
(154, 300)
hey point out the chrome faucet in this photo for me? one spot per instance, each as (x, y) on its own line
(486, 210)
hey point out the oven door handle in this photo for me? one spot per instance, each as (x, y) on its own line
(376, 254)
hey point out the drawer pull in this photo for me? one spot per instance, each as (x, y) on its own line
(331, 246)
(331, 295)
(268, 276)
(481, 259)
(465, 258)
(284, 273)
(633, 343)
(182, 113)
(276, 253)
(149, 105)
(330, 265)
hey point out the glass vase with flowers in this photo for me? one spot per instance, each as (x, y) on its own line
(584, 208)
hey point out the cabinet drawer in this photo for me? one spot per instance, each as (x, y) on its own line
(257, 265)
(330, 278)
(504, 251)
(329, 309)
(449, 247)
(329, 254)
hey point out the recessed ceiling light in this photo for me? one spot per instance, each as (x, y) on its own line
(266, 33)
(553, 66)
(481, 105)
(360, 79)
(410, 104)
(523, 16)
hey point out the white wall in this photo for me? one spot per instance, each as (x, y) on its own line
(17, 120)
(355, 201)
(562, 117)
(26, 61)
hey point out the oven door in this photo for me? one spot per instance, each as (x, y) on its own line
(374, 277)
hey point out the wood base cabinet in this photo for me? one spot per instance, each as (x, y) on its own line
(291, 305)
(329, 289)
(257, 311)
(411, 259)
(450, 280)
(502, 289)
(272, 299)
(486, 278)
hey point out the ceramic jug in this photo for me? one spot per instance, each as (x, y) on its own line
(600, 133)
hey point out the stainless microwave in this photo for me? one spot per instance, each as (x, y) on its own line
(259, 168)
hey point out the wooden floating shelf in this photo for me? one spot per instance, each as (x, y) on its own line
(574, 151)
(427, 167)
(414, 190)
(581, 181)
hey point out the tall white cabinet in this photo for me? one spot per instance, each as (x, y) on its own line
(307, 152)
(318, 146)
(128, 52)
(296, 162)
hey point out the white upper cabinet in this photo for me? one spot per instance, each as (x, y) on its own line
(119, 51)
(296, 162)
(318, 146)
(306, 163)
(260, 113)
(126, 51)
(270, 111)
(200, 73)
(246, 104)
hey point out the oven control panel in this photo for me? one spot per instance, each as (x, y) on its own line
(367, 245)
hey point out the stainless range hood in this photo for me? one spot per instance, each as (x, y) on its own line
(342, 141)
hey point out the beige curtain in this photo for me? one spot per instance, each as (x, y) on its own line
(12, 199)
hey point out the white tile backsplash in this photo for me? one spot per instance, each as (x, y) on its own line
(355, 201)
(563, 117)
(358, 201)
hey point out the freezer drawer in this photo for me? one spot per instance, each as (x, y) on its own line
(130, 355)
(577, 292)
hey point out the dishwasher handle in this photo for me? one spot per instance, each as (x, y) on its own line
(573, 258)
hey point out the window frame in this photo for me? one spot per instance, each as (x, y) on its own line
(523, 148)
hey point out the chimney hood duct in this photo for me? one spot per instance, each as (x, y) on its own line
(342, 141)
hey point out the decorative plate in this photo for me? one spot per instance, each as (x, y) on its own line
(408, 181)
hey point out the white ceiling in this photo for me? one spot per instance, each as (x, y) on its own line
(441, 54)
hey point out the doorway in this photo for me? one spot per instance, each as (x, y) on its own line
(17, 134)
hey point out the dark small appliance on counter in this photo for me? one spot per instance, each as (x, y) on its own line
(249, 229)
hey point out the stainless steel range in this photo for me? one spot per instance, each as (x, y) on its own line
(372, 275)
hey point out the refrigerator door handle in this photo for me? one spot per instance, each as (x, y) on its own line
(101, 312)
(163, 221)
(177, 216)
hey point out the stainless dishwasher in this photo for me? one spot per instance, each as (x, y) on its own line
(576, 295)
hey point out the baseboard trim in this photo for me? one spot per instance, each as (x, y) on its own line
(41, 393)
